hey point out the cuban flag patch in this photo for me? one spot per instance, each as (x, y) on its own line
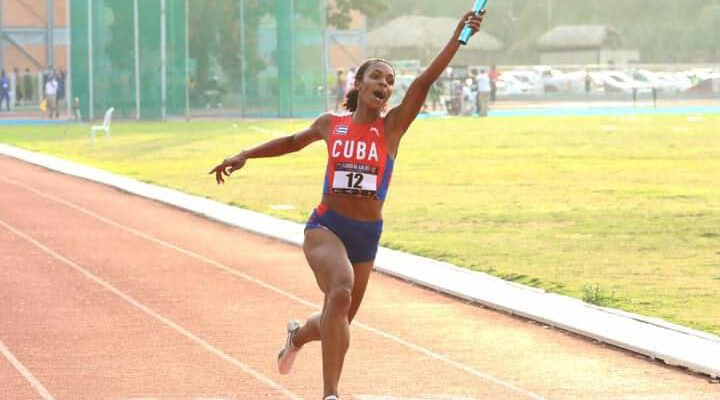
(341, 130)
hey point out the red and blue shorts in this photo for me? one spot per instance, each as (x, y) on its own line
(361, 238)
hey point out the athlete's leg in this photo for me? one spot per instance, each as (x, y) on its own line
(310, 330)
(334, 274)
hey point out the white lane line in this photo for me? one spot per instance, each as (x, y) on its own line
(25, 373)
(148, 311)
(277, 290)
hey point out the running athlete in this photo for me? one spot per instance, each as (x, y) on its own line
(343, 232)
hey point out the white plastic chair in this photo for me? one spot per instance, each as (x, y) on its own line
(105, 125)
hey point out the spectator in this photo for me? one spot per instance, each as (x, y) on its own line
(455, 103)
(4, 90)
(51, 88)
(588, 82)
(494, 75)
(60, 90)
(350, 79)
(468, 97)
(473, 76)
(435, 92)
(483, 94)
(18, 87)
(28, 86)
(76, 110)
(340, 89)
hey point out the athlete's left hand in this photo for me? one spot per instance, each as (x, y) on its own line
(227, 167)
(471, 19)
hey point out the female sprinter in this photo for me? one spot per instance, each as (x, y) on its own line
(342, 234)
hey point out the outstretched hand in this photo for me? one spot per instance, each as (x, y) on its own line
(227, 167)
(472, 20)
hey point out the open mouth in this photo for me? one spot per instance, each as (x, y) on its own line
(380, 95)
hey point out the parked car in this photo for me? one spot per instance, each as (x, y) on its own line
(530, 78)
(510, 85)
(553, 80)
(617, 81)
(576, 81)
(661, 81)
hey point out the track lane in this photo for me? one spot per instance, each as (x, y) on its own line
(85, 342)
(531, 357)
(16, 381)
(152, 276)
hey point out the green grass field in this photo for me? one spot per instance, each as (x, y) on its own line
(618, 211)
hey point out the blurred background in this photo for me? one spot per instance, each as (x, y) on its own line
(164, 59)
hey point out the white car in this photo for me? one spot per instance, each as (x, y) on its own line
(552, 79)
(509, 85)
(616, 81)
(530, 78)
(660, 80)
(576, 81)
(681, 80)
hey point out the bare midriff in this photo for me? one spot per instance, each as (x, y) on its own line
(358, 208)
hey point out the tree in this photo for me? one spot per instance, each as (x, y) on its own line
(338, 14)
(216, 30)
(710, 26)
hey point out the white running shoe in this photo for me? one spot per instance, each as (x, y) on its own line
(287, 355)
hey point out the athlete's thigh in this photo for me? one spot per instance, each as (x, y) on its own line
(362, 276)
(328, 259)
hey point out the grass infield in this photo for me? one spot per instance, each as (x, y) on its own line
(618, 211)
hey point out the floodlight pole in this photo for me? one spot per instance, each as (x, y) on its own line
(326, 52)
(68, 76)
(91, 78)
(243, 90)
(136, 45)
(163, 62)
(2, 35)
(187, 64)
(50, 33)
(292, 57)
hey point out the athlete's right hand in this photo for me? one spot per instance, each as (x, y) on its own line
(227, 167)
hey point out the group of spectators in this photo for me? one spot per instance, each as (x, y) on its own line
(343, 84)
(471, 96)
(51, 93)
(474, 95)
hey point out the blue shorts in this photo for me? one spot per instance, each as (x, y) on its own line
(361, 238)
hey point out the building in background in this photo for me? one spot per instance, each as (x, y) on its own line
(584, 44)
(33, 41)
(26, 29)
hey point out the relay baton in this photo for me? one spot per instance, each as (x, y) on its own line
(467, 31)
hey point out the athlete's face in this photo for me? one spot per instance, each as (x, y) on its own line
(376, 86)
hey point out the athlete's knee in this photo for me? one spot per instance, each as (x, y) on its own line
(340, 299)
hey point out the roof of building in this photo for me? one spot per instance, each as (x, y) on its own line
(422, 31)
(565, 37)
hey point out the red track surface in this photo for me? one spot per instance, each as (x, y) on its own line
(105, 295)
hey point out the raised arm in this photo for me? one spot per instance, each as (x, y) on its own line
(274, 148)
(398, 120)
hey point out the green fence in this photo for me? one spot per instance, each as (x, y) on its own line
(155, 59)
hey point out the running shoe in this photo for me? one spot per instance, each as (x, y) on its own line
(287, 355)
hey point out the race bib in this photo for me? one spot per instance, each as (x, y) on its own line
(357, 179)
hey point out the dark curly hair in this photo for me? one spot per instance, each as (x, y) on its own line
(351, 98)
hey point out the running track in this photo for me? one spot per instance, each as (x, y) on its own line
(105, 295)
